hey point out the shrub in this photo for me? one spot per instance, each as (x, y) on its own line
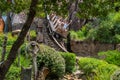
(70, 61)
(88, 65)
(110, 26)
(11, 39)
(1, 39)
(13, 73)
(50, 58)
(23, 49)
(25, 62)
(92, 34)
(99, 69)
(32, 34)
(116, 75)
(74, 35)
(79, 35)
(103, 72)
(112, 57)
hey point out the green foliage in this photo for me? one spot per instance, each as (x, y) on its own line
(96, 8)
(116, 75)
(11, 39)
(104, 72)
(92, 34)
(116, 17)
(24, 61)
(1, 39)
(5, 6)
(90, 64)
(33, 35)
(50, 58)
(13, 73)
(106, 30)
(101, 70)
(60, 7)
(20, 5)
(74, 35)
(112, 57)
(79, 35)
(110, 27)
(16, 6)
(70, 61)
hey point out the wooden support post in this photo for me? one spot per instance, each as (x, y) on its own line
(33, 48)
(26, 73)
(4, 47)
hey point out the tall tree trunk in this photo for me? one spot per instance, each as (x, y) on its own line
(9, 1)
(4, 47)
(9, 24)
(68, 37)
(20, 40)
(0, 15)
(70, 17)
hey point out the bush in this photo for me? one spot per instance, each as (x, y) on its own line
(23, 49)
(1, 39)
(112, 57)
(110, 26)
(32, 33)
(104, 72)
(11, 39)
(116, 75)
(48, 57)
(70, 61)
(13, 73)
(88, 65)
(94, 30)
(99, 69)
(79, 35)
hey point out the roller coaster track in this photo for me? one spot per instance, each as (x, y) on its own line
(51, 35)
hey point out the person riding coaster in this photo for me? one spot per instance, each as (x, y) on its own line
(59, 20)
(58, 24)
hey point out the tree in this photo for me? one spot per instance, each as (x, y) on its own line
(13, 52)
(98, 8)
(19, 5)
(87, 9)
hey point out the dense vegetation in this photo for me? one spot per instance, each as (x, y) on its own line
(102, 29)
(57, 62)
(61, 63)
(102, 24)
(97, 69)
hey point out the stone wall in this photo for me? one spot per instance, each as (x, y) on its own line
(84, 48)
